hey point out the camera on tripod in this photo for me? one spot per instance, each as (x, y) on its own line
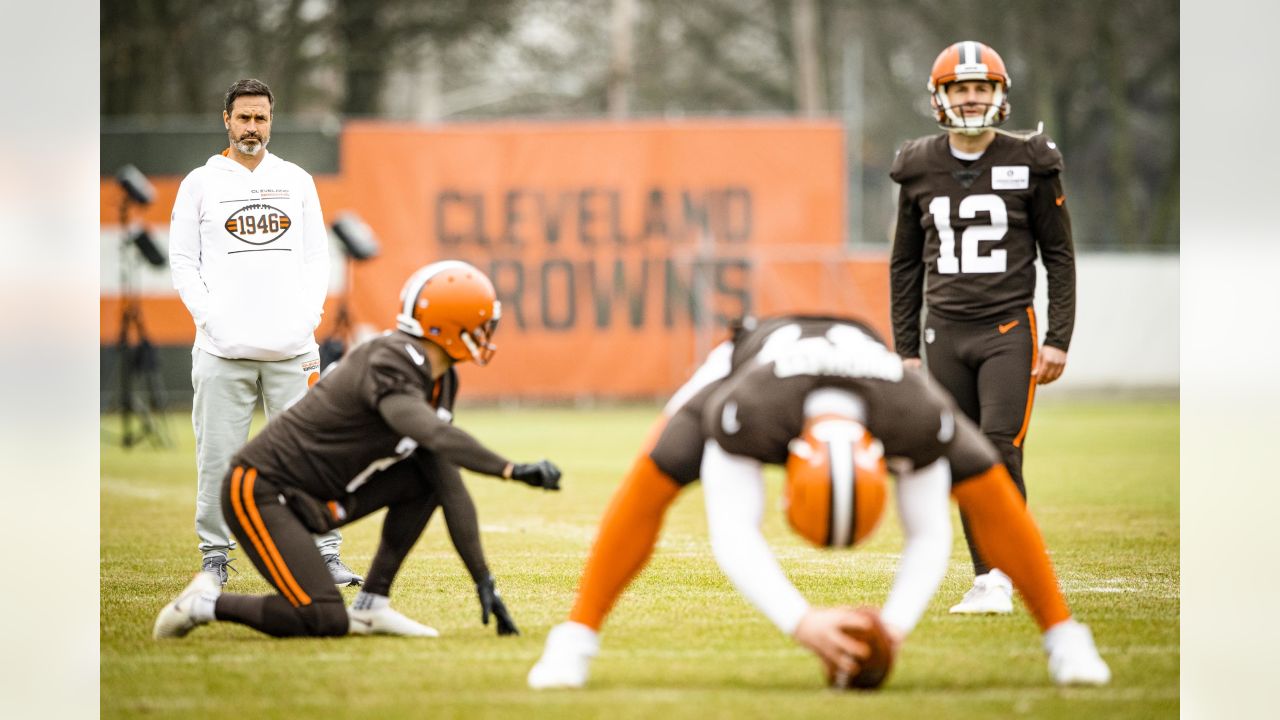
(359, 243)
(141, 391)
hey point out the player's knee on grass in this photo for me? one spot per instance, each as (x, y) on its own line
(324, 619)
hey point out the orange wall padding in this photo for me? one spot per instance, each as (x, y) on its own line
(619, 250)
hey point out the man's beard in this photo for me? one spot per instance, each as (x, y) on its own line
(251, 148)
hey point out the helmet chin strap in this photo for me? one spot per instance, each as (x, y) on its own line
(1022, 134)
(1015, 134)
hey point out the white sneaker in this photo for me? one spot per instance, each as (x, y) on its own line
(1073, 656)
(566, 659)
(178, 617)
(992, 594)
(386, 622)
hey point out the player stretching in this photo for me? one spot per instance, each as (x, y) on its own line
(744, 407)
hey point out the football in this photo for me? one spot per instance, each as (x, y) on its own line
(875, 669)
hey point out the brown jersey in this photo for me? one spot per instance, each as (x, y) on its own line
(335, 435)
(750, 336)
(968, 234)
(759, 408)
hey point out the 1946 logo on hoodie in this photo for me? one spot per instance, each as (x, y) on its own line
(258, 224)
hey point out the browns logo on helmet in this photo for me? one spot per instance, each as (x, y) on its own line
(453, 305)
(836, 478)
(969, 60)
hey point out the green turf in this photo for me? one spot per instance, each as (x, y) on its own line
(681, 643)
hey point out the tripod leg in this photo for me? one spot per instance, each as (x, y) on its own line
(124, 356)
(152, 406)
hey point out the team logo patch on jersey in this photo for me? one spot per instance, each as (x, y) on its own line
(1010, 177)
(965, 176)
(258, 224)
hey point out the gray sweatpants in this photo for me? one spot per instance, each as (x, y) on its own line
(226, 392)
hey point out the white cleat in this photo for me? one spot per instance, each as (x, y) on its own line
(566, 659)
(1073, 656)
(386, 622)
(992, 594)
(177, 618)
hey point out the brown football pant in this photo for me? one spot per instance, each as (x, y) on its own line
(986, 366)
(283, 551)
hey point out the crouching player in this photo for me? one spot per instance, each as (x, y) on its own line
(761, 398)
(374, 433)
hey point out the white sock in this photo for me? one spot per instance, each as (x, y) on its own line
(202, 607)
(370, 601)
(574, 637)
(1065, 628)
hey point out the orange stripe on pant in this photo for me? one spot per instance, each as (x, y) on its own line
(237, 505)
(1031, 390)
(627, 536)
(289, 580)
(1007, 537)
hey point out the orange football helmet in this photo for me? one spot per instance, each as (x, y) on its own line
(969, 60)
(836, 482)
(453, 305)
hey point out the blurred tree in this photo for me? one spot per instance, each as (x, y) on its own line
(807, 51)
(374, 37)
(1102, 76)
(177, 57)
(622, 32)
(146, 66)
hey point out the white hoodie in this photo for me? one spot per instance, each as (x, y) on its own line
(249, 254)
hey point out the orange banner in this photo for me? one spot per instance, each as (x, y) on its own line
(619, 251)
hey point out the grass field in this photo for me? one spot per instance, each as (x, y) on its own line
(1103, 479)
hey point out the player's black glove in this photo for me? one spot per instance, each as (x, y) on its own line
(491, 602)
(541, 474)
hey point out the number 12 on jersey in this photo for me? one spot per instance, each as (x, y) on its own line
(970, 261)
